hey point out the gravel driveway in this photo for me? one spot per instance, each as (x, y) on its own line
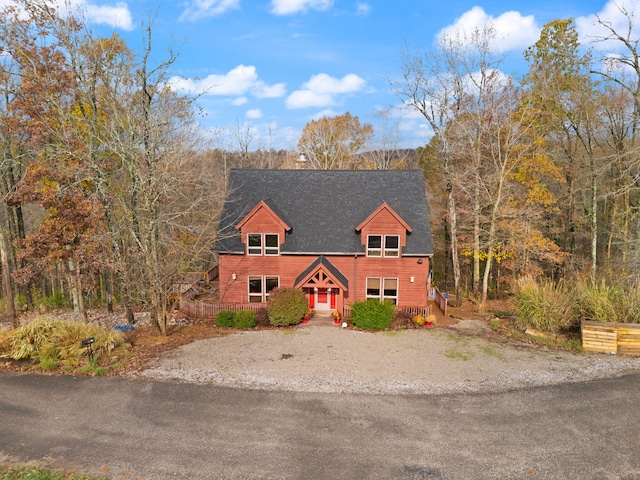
(466, 357)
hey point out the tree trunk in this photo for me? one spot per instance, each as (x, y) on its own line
(454, 242)
(6, 280)
(476, 240)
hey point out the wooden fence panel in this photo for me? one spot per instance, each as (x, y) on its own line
(424, 311)
(202, 310)
(441, 300)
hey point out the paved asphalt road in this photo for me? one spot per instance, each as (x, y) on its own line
(134, 429)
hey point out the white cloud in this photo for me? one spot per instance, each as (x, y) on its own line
(254, 113)
(613, 14)
(240, 81)
(203, 9)
(238, 102)
(289, 7)
(363, 8)
(116, 16)
(513, 31)
(321, 90)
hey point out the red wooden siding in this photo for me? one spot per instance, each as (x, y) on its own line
(356, 269)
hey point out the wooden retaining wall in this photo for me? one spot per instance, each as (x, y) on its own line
(611, 338)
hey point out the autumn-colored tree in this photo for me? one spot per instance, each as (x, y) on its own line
(332, 143)
(124, 143)
(560, 87)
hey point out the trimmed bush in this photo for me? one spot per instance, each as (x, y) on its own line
(286, 306)
(244, 319)
(262, 317)
(225, 318)
(372, 315)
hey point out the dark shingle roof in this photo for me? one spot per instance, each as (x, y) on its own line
(323, 207)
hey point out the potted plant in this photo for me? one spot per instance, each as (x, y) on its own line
(308, 314)
(337, 317)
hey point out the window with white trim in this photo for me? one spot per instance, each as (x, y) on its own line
(391, 245)
(383, 289)
(259, 244)
(271, 245)
(254, 244)
(260, 287)
(374, 246)
(383, 245)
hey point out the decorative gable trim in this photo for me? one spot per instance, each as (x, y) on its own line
(376, 212)
(322, 273)
(262, 205)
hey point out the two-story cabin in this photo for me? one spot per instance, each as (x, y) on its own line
(339, 235)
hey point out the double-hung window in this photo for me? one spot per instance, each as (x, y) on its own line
(271, 246)
(383, 245)
(260, 287)
(259, 244)
(254, 244)
(383, 289)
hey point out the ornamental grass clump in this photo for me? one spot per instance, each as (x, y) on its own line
(372, 315)
(58, 342)
(546, 306)
(286, 306)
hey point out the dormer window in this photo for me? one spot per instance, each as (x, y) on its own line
(271, 246)
(259, 244)
(254, 244)
(383, 245)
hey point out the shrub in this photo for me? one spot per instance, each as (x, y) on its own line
(225, 318)
(402, 319)
(244, 319)
(262, 317)
(286, 306)
(419, 320)
(54, 302)
(372, 315)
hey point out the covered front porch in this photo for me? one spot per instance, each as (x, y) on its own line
(324, 286)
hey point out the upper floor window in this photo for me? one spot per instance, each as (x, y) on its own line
(377, 245)
(271, 246)
(254, 244)
(259, 244)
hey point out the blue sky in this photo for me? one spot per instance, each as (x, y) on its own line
(267, 67)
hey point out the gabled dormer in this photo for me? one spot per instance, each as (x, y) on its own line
(262, 231)
(384, 233)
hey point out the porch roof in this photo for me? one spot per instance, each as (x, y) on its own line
(330, 267)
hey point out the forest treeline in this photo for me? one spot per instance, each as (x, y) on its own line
(110, 190)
